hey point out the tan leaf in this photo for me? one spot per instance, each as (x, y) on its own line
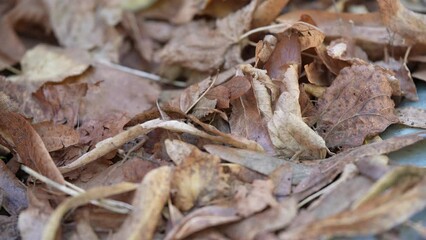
(150, 198)
(267, 11)
(197, 180)
(50, 64)
(355, 106)
(399, 19)
(56, 137)
(199, 46)
(412, 117)
(289, 133)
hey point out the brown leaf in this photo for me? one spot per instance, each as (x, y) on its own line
(197, 179)
(402, 73)
(399, 19)
(27, 143)
(355, 106)
(199, 46)
(87, 25)
(150, 198)
(56, 137)
(267, 11)
(202, 218)
(246, 121)
(274, 218)
(412, 117)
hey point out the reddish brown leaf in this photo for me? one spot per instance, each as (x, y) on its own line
(355, 106)
(56, 137)
(27, 143)
(412, 117)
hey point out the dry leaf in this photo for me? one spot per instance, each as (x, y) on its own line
(197, 180)
(355, 106)
(399, 19)
(258, 162)
(9, 227)
(274, 218)
(199, 46)
(150, 198)
(289, 133)
(87, 25)
(50, 64)
(374, 216)
(267, 11)
(54, 222)
(248, 202)
(200, 219)
(412, 117)
(26, 142)
(56, 137)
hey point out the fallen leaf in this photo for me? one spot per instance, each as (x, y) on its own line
(50, 64)
(289, 133)
(258, 162)
(267, 11)
(26, 142)
(399, 19)
(256, 199)
(199, 46)
(87, 25)
(355, 106)
(150, 198)
(200, 219)
(411, 116)
(56, 137)
(52, 225)
(272, 219)
(197, 179)
(376, 215)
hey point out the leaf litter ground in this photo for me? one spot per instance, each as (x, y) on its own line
(209, 119)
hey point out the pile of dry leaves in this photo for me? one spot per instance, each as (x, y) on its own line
(212, 119)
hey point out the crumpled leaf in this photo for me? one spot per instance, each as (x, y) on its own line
(289, 133)
(355, 106)
(412, 117)
(197, 179)
(199, 46)
(405, 22)
(150, 198)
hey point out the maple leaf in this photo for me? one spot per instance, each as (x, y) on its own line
(356, 105)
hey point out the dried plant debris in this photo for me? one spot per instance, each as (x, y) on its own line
(185, 119)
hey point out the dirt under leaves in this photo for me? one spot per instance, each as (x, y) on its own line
(184, 119)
